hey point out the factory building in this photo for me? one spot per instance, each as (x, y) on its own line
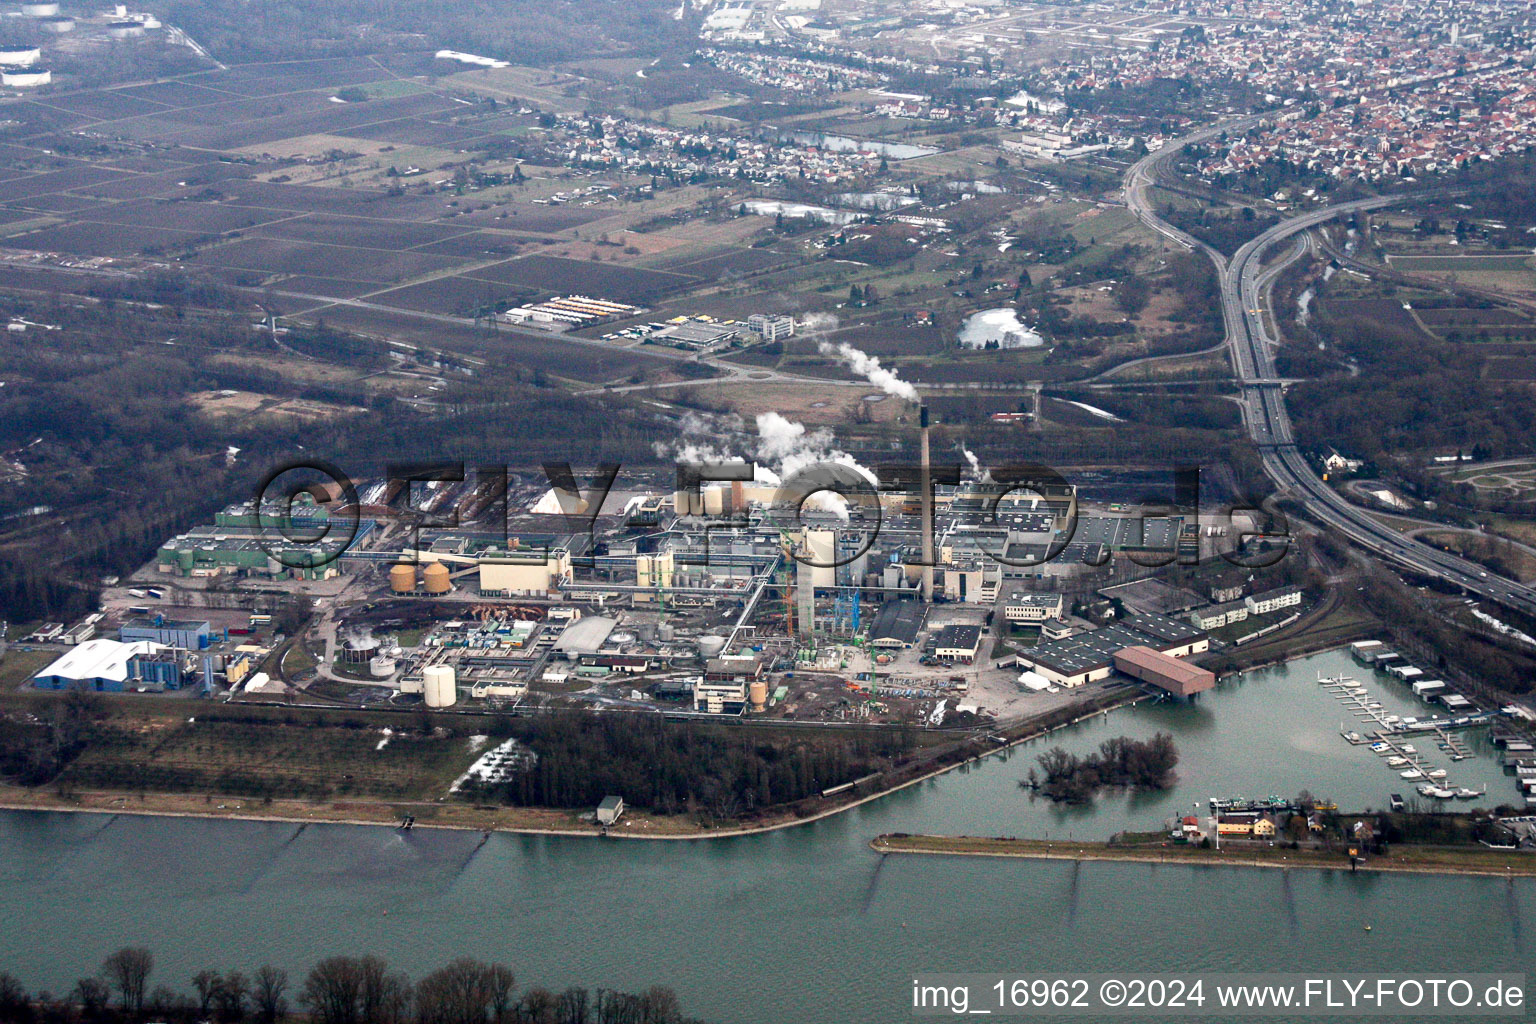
(771, 327)
(245, 541)
(569, 311)
(958, 644)
(110, 666)
(532, 574)
(695, 335)
(1166, 673)
(1025, 607)
(187, 634)
(1090, 657)
(897, 625)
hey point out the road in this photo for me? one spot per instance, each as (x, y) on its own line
(1244, 287)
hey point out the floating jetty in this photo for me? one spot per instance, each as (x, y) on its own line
(1388, 738)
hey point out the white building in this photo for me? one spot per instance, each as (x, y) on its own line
(1032, 608)
(1273, 600)
(771, 328)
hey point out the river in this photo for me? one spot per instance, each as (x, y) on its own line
(802, 925)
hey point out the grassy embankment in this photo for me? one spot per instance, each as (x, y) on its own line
(1448, 860)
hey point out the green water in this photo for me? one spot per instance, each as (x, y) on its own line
(804, 925)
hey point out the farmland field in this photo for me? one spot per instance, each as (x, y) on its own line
(587, 277)
(459, 296)
(276, 256)
(1482, 261)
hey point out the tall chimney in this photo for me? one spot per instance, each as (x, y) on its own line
(927, 508)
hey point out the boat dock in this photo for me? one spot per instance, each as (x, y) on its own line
(1389, 739)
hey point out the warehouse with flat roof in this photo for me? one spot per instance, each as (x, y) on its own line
(1164, 671)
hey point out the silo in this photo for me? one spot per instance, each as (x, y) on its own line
(402, 578)
(757, 693)
(381, 667)
(714, 501)
(666, 632)
(19, 56)
(438, 686)
(185, 559)
(58, 25)
(435, 579)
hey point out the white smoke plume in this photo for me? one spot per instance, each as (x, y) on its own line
(814, 324)
(868, 367)
(982, 475)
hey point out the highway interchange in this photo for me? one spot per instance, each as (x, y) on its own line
(1244, 289)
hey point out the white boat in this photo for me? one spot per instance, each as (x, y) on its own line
(1396, 762)
(1379, 747)
(1426, 790)
(1392, 719)
(1436, 773)
(1443, 794)
(1468, 794)
(1409, 748)
(1410, 774)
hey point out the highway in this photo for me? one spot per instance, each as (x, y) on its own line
(1244, 289)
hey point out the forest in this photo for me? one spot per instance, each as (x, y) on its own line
(712, 770)
(337, 990)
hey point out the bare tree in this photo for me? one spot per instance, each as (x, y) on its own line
(128, 971)
(14, 1004)
(268, 994)
(502, 983)
(92, 994)
(332, 989)
(207, 984)
(231, 997)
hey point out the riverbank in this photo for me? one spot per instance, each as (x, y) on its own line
(1424, 860)
(447, 814)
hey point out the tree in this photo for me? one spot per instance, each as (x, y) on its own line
(207, 984)
(92, 995)
(14, 1004)
(268, 994)
(128, 971)
(230, 999)
(331, 990)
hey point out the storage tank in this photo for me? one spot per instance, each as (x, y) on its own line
(757, 693)
(711, 646)
(41, 9)
(666, 632)
(25, 78)
(402, 578)
(58, 25)
(125, 30)
(438, 686)
(381, 667)
(435, 579)
(19, 56)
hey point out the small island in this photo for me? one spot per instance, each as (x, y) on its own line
(1120, 762)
